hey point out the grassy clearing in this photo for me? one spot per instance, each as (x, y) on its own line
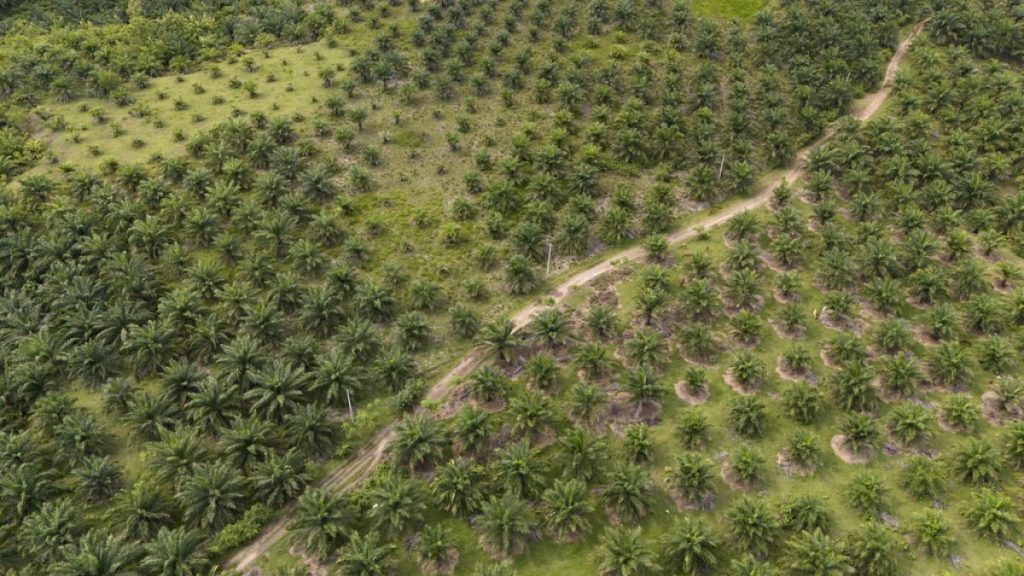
(734, 9)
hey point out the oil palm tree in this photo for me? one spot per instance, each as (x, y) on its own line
(321, 520)
(141, 510)
(748, 370)
(566, 507)
(649, 301)
(910, 423)
(932, 533)
(396, 503)
(238, 364)
(873, 550)
(805, 512)
(646, 348)
(212, 495)
(471, 430)
(97, 554)
(747, 467)
(949, 364)
(976, 461)
(816, 554)
(691, 476)
(861, 433)
(530, 414)
(488, 384)
(803, 450)
(504, 525)
(747, 327)
(213, 405)
(700, 300)
(961, 412)
(594, 359)
(551, 328)
(436, 551)
(46, 531)
(851, 388)
(419, 441)
(171, 458)
(582, 455)
(150, 415)
(542, 371)
(375, 302)
(500, 337)
(744, 288)
(867, 494)
(699, 342)
(689, 547)
(337, 377)
(248, 442)
(991, 514)
(520, 276)
(176, 552)
(622, 553)
(1013, 444)
(892, 335)
(922, 478)
(627, 492)
(519, 470)
(464, 321)
(458, 487)
(394, 369)
(802, 402)
(602, 322)
(748, 417)
(586, 402)
(360, 339)
(277, 390)
(901, 374)
(366, 555)
(310, 430)
(280, 478)
(643, 388)
(752, 525)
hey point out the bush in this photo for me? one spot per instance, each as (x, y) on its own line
(244, 530)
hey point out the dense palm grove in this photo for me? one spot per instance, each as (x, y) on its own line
(183, 341)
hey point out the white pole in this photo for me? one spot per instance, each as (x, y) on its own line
(348, 396)
(548, 271)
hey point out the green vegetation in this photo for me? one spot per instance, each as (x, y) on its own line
(241, 242)
(738, 9)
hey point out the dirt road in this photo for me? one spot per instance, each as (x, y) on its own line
(359, 466)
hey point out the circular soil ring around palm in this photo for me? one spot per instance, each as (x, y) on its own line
(848, 456)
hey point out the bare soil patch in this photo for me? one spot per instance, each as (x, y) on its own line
(684, 504)
(731, 481)
(787, 374)
(735, 384)
(991, 410)
(685, 395)
(790, 468)
(848, 456)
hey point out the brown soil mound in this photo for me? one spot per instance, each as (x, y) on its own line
(692, 399)
(838, 444)
(790, 468)
(735, 384)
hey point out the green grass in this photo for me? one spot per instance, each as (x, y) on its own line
(735, 9)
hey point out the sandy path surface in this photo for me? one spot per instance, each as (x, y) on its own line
(357, 469)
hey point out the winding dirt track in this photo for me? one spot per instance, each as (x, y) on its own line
(358, 468)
